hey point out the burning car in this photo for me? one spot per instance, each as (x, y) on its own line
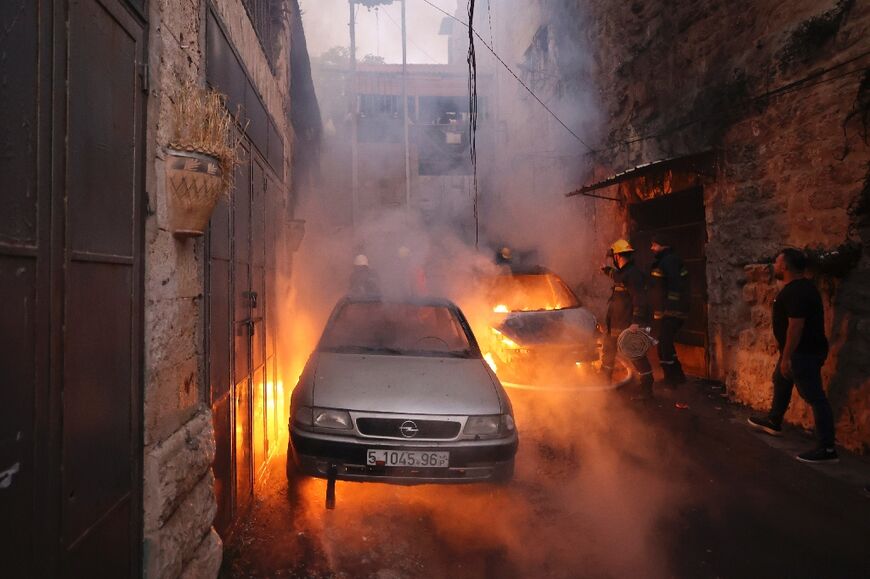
(399, 392)
(539, 332)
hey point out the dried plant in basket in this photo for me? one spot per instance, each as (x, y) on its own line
(201, 157)
(202, 124)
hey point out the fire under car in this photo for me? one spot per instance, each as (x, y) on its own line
(400, 393)
(540, 337)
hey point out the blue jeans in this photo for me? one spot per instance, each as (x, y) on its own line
(807, 377)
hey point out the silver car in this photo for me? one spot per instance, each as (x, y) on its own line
(399, 392)
(539, 329)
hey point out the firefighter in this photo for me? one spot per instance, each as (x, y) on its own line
(669, 292)
(363, 281)
(505, 256)
(626, 308)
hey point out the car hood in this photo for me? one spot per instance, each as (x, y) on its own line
(404, 384)
(553, 327)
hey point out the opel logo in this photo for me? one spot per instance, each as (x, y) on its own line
(409, 429)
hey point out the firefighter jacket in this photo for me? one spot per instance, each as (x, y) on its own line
(669, 287)
(628, 301)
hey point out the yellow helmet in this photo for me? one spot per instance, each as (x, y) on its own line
(621, 246)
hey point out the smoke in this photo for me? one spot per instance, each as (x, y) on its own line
(592, 487)
(378, 31)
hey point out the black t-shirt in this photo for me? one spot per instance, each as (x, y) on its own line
(800, 299)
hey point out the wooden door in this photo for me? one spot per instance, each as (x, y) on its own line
(71, 247)
(682, 216)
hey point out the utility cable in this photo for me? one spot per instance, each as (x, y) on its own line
(472, 118)
(474, 32)
(800, 84)
(794, 86)
(489, 16)
(411, 42)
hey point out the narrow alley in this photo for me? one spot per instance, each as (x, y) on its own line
(605, 487)
(412, 289)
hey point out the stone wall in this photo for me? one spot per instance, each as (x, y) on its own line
(685, 76)
(179, 502)
(761, 82)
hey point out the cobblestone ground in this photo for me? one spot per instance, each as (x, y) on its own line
(605, 487)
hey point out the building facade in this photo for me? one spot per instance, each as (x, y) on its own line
(739, 128)
(143, 390)
(440, 171)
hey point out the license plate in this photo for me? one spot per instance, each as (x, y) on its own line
(415, 458)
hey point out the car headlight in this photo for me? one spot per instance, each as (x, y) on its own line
(329, 418)
(498, 424)
(302, 416)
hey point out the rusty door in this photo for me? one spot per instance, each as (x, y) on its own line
(25, 292)
(239, 354)
(237, 337)
(682, 216)
(71, 238)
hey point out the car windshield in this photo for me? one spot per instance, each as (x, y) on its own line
(530, 293)
(399, 329)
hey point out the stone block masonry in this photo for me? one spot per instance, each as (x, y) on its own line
(179, 499)
(793, 167)
(179, 502)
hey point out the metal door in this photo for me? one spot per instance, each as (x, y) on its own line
(71, 277)
(682, 216)
(25, 293)
(245, 302)
(237, 337)
(237, 347)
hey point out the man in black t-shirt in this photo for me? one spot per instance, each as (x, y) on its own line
(799, 329)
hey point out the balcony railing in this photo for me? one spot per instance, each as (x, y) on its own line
(267, 17)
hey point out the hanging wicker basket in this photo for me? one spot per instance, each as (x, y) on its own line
(194, 183)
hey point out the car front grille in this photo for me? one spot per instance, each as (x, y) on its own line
(392, 428)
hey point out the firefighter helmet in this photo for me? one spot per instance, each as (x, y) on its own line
(621, 246)
(505, 253)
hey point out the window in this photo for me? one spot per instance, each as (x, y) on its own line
(267, 18)
(385, 328)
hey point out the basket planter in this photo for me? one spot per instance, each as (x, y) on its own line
(194, 184)
(295, 234)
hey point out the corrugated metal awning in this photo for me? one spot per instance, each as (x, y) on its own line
(699, 163)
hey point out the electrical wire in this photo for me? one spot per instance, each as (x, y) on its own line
(473, 33)
(489, 16)
(411, 42)
(793, 86)
(472, 118)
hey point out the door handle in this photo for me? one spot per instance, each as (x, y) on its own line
(252, 299)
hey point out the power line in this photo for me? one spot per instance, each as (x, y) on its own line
(510, 70)
(489, 16)
(800, 84)
(472, 117)
(414, 44)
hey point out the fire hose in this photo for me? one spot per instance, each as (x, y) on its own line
(634, 344)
